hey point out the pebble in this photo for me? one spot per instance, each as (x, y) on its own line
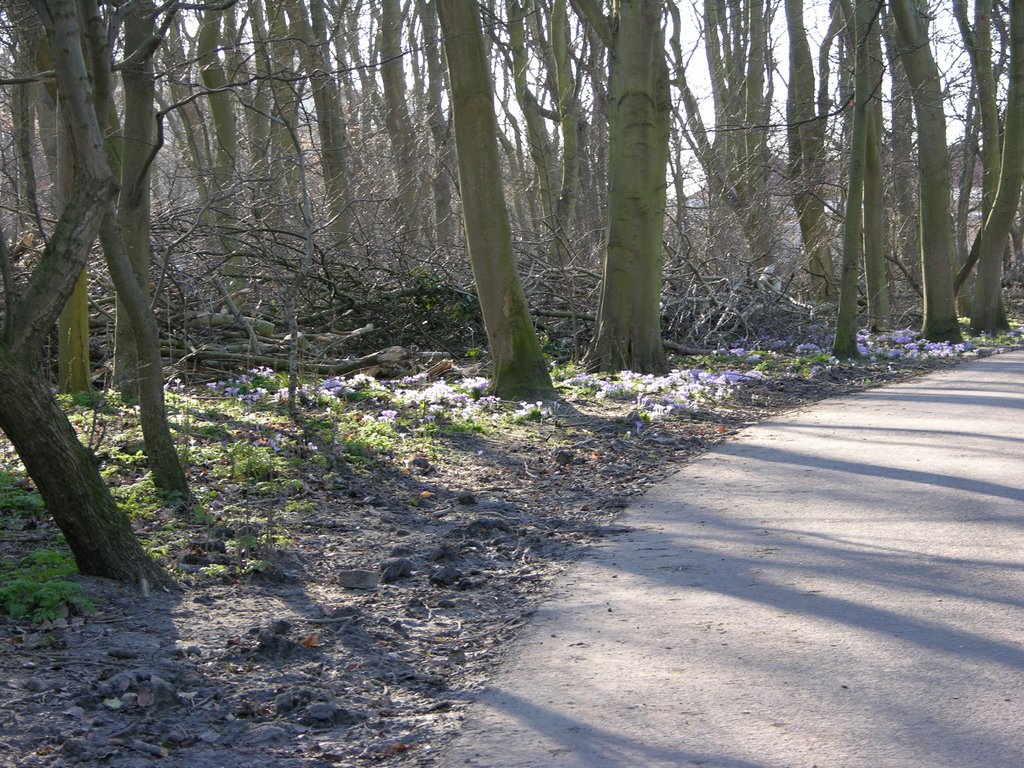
(35, 684)
(446, 576)
(358, 579)
(394, 569)
(563, 457)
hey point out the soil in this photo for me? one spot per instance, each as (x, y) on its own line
(390, 605)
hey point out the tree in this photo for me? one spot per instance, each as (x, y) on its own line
(1003, 168)
(66, 473)
(806, 115)
(936, 242)
(628, 333)
(860, 22)
(520, 371)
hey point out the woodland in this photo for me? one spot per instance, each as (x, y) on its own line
(332, 330)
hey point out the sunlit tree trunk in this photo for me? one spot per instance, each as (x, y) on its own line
(134, 200)
(860, 21)
(314, 53)
(444, 221)
(542, 151)
(222, 105)
(520, 371)
(903, 213)
(73, 323)
(876, 275)
(628, 332)
(806, 134)
(65, 472)
(397, 119)
(131, 291)
(1003, 167)
(936, 230)
(568, 120)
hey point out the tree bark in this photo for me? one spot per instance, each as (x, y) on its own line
(1004, 168)
(628, 332)
(133, 206)
(68, 478)
(520, 371)
(845, 344)
(806, 135)
(936, 243)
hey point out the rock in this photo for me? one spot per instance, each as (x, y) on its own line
(279, 626)
(118, 684)
(122, 653)
(394, 569)
(486, 525)
(177, 736)
(291, 700)
(159, 692)
(74, 748)
(266, 733)
(444, 551)
(277, 645)
(329, 714)
(358, 579)
(35, 684)
(446, 576)
(563, 457)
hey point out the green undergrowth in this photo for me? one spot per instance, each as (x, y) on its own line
(37, 587)
(254, 472)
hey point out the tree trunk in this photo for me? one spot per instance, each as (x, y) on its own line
(134, 202)
(315, 56)
(875, 274)
(520, 371)
(628, 332)
(845, 344)
(1004, 169)
(936, 244)
(444, 220)
(396, 115)
(67, 476)
(806, 136)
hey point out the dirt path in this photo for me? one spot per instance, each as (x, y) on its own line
(841, 586)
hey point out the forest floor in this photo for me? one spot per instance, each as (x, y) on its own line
(347, 615)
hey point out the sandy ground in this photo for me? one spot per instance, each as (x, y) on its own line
(841, 586)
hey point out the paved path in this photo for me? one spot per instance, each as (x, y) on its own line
(843, 586)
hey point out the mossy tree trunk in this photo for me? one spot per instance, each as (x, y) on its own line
(860, 21)
(133, 206)
(936, 242)
(309, 22)
(807, 120)
(68, 478)
(66, 473)
(520, 371)
(876, 276)
(1003, 167)
(628, 332)
(129, 283)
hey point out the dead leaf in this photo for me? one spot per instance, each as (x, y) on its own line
(312, 641)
